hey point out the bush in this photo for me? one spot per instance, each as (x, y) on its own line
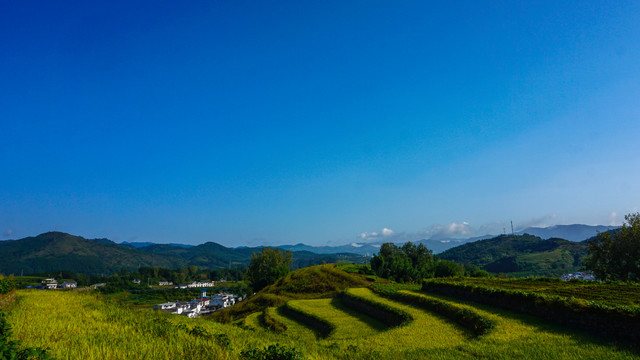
(271, 352)
(7, 284)
(446, 268)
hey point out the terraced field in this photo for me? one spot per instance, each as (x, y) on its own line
(429, 335)
(427, 326)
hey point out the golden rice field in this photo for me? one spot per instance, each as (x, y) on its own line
(83, 325)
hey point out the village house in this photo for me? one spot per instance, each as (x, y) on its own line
(165, 306)
(136, 281)
(201, 284)
(50, 283)
(165, 283)
(200, 305)
(68, 285)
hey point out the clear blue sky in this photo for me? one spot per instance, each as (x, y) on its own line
(272, 122)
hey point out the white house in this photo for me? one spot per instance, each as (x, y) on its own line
(50, 283)
(68, 285)
(165, 306)
(165, 283)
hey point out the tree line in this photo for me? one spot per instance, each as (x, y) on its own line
(412, 263)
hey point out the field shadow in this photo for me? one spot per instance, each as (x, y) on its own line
(578, 334)
(372, 322)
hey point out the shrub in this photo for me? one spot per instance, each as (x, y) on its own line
(271, 352)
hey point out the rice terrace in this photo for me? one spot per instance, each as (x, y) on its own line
(380, 320)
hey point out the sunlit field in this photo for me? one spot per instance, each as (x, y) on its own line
(83, 325)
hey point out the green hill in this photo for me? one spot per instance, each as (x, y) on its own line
(521, 255)
(55, 251)
(305, 283)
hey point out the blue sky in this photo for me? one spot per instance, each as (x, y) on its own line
(250, 123)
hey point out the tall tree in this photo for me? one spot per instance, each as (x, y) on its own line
(616, 255)
(409, 263)
(267, 266)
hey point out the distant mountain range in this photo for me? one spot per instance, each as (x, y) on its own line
(576, 232)
(55, 251)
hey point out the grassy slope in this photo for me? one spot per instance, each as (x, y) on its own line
(306, 283)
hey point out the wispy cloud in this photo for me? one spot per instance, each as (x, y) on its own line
(7, 233)
(542, 221)
(452, 230)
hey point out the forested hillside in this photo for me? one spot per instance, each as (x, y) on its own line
(521, 255)
(55, 251)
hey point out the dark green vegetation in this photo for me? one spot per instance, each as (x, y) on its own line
(607, 293)
(55, 251)
(577, 310)
(408, 263)
(521, 255)
(271, 352)
(616, 255)
(6, 284)
(306, 283)
(267, 266)
(411, 263)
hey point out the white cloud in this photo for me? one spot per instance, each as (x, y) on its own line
(452, 230)
(613, 219)
(356, 245)
(385, 233)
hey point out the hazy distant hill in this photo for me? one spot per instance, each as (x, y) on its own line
(521, 255)
(575, 232)
(55, 251)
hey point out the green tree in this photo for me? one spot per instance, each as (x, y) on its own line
(267, 266)
(616, 255)
(446, 268)
(409, 263)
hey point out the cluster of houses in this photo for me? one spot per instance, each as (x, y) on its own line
(199, 306)
(197, 284)
(53, 284)
(578, 275)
